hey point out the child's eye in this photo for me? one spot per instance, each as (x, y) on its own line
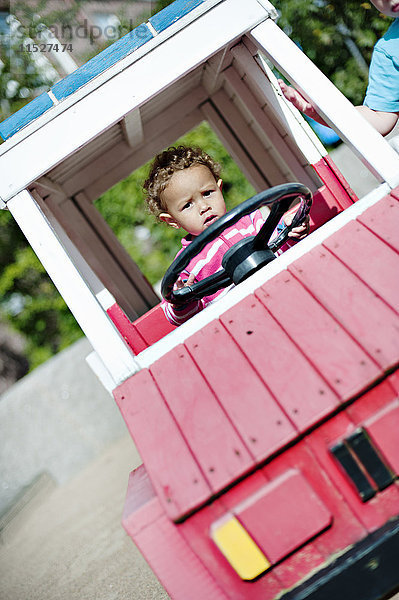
(186, 205)
(207, 193)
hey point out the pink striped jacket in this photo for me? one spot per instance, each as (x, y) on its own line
(209, 261)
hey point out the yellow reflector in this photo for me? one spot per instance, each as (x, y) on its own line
(239, 549)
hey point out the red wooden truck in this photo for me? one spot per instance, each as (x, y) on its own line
(268, 423)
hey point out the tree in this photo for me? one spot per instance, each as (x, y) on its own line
(29, 301)
(329, 32)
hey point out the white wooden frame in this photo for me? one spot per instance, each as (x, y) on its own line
(156, 139)
(261, 156)
(251, 172)
(91, 235)
(335, 109)
(285, 116)
(111, 72)
(95, 323)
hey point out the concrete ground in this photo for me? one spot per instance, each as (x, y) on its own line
(65, 458)
(68, 543)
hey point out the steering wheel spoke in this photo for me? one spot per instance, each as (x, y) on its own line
(211, 285)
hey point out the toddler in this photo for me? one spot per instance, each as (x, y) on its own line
(184, 190)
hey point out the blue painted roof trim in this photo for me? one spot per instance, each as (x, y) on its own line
(172, 13)
(104, 60)
(25, 115)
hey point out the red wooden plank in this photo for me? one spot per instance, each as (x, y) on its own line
(277, 528)
(277, 524)
(178, 568)
(346, 528)
(335, 181)
(299, 389)
(394, 380)
(249, 404)
(242, 490)
(294, 567)
(372, 402)
(383, 429)
(324, 208)
(141, 504)
(215, 443)
(369, 258)
(160, 541)
(341, 179)
(345, 366)
(174, 473)
(126, 328)
(153, 325)
(196, 530)
(375, 512)
(383, 220)
(365, 316)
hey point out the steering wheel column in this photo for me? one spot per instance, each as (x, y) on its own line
(243, 259)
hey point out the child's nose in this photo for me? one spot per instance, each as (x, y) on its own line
(204, 205)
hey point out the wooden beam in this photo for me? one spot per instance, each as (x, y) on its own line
(83, 304)
(286, 119)
(211, 79)
(234, 147)
(106, 170)
(51, 186)
(290, 162)
(153, 145)
(132, 128)
(261, 157)
(106, 257)
(335, 109)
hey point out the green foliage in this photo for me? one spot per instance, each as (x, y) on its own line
(325, 29)
(29, 300)
(161, 4)
(124, 208)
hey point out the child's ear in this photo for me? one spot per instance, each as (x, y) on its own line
(219, 183)
(169, 220)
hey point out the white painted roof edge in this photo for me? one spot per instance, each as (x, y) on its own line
(109, 73)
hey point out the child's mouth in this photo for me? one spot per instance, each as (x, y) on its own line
(210, 220)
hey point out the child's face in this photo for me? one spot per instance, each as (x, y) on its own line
(387, 7)
(194, 199)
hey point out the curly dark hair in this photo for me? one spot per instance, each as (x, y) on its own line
(166, 164)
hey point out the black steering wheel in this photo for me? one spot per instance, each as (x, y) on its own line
(246, 256)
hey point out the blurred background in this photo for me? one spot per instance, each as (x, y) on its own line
(64, 450)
